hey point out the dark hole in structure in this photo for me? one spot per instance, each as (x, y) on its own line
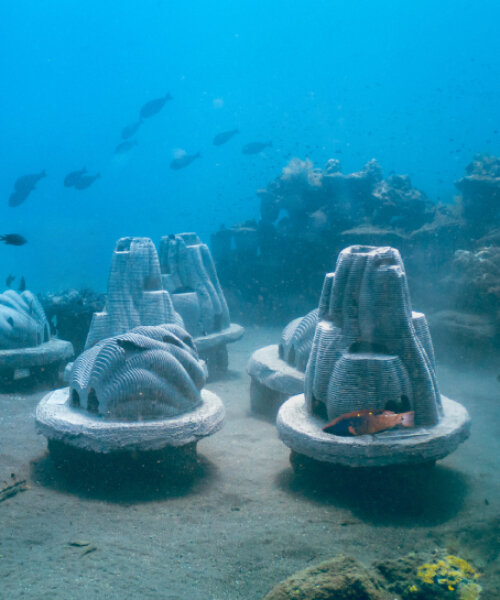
(291, 356)
(92, 402)
(184, 289)
(75, 399)
(281, 351)
(363, 346)
(319, 409)
(151, 283)
(403, 405)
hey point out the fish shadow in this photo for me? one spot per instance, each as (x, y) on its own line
(123, 477)
(413, 495)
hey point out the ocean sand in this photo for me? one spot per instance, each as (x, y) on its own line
(244, 521)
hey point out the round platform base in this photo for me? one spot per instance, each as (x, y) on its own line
(303, 434)
(212, 348)
(58, 421)
(273, 380)
(41, 361)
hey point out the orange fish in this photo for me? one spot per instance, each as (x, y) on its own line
(361, 422)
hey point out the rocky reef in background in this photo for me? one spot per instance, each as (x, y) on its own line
(271, 269)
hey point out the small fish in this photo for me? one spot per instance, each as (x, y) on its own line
(361, 422)
(130, 130)
(85, 181)
(9, 280)
(13, 239)
(17, 198)
(125, 147)
(255, 147)
(225, 136)
(153, 107)
(183, 161)
(22, 285)
(10, 321)
(71, 178)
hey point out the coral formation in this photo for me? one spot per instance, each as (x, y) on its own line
(148, 372)
(188, 273)
(449, 577)
(23, 323)
(366, 351)
(135, 292)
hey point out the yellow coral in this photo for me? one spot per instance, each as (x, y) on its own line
(451, 573)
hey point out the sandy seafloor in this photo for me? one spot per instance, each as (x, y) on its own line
(246, 521)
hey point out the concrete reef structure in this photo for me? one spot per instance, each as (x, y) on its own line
(277, 371)
(26, 346)
(370, 351)
(140, 391)
(189, 275)
(135, 292)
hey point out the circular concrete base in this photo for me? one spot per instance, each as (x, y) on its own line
(58, 421)
(212, 348)
(273, 380)
(302, 432)
(53, 352)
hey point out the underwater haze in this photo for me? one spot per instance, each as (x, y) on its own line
(413, 84)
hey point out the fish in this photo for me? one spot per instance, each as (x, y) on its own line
(153, 107)
(13, 239)
(361, 422)
(23, 186)
(130, 130)
(9, 280)
(22, 285)
(255, 147)
(183, 161)
(10, 321)
(85, 181)
(28, 182)
(124, 147)
(225, 136)
(71, 178)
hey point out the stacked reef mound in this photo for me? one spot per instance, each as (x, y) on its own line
(189, 274)
(277, 371)
(371, 352)
(23, 323)
(135, 292)
(140, 391)
(26, 346)
(369, 349)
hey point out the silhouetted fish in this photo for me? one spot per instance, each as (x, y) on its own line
(9, 280)
(125, 147)
(85, 181)
(183, 161)
(130, 130)
(13, 239)
(26, 183)
(22, 285)
(225, 136)
(255, 147)
(153, 107)
(23, 186)
(71, 178)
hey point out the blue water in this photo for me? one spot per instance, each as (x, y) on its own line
(414, 84)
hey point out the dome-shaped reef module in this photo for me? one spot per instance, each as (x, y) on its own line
(135, 292)
(189, 274)
(371, 368)
(26, 347)
(277, 371)
(141, 391)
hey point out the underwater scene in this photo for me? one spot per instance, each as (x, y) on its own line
(250, 300)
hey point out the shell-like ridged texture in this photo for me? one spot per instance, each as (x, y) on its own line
(188, 266)
(296, 340)
(365, 309)
(147, 373)
(23, 323)
(135, 292)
